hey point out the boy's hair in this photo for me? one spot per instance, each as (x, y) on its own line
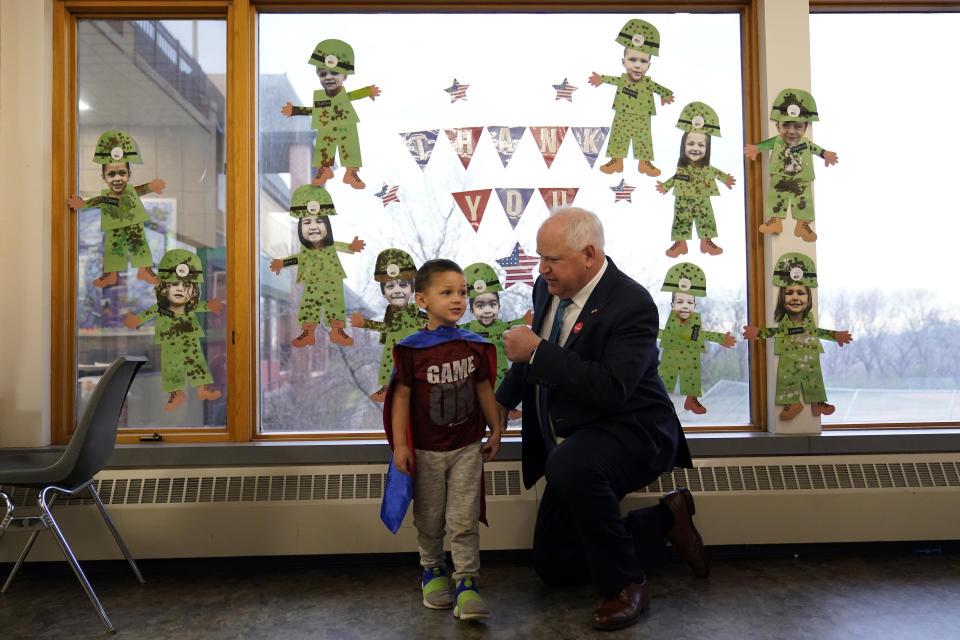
(383, 285)
(103, 168)
(474, 299)
(327, 239)
(781, 309)
(161, 292)
(685, 161)
(430, 267)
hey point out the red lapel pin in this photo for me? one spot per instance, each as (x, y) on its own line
(577, 327)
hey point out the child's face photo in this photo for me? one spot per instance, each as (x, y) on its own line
(791, 132)
(116, 175)
(179, 294)
(445, 300)
(796, 300)
(485, 308)
(330, 80)
(683, 304)
(636, 63)
(314, 230)
(695, 148)
(397, 292)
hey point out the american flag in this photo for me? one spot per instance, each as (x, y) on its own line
(388, 194)
(564, 90)
(457, 91)
(623, 191)
(518, 266)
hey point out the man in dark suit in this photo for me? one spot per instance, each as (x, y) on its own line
(597, 422)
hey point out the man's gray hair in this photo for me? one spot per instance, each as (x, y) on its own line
(583, 228)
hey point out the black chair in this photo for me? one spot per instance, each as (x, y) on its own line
(72, 474)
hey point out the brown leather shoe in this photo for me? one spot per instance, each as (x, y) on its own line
(622, 611)
(683, 535)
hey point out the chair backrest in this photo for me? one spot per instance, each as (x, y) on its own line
(96, 433)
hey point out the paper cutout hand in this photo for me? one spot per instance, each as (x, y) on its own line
(843, 337)
(730, 181)
(750, 333)
(374, 91)
(668, 100)
(830, 157)
(131, 321)
(157, 186)
(215, 305)
(287, 109)
(528, 317)
(356, 245)
(356, 320)
(751, 151)
(519, 342)
(595, 79)
(729, 340)
(276, 265)
(403, 458)
(76, 202)
(660, 187)
(490, 448)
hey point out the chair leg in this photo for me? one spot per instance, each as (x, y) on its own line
(116, 534)
(26, 548)
(72, 560)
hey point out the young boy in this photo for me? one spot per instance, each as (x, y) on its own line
(121, 213)
(791, 168)
(332, 114)
(439, 403)
(633, 103)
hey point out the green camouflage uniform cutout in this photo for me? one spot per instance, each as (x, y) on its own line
(397, 324)
(799, 348)
(322, 275)
(791, 173)
(122, 220)
(633, 105)
(692, 187)
(682, 345)
(180, 352)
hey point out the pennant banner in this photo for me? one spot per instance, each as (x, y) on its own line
(514, 201)
(420, 145)
(506, 139)
(549, 139)
(518, 266)
(464, 142)
(473, 204)
(591, 140)
(557, 198)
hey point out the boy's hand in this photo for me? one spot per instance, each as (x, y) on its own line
(287, 109)
(750, 333)
(595, 79)
(356, 320)
(403, 458)
(215, 305)
(751, 151)
(131, 321)
(830, 157)
(667, 100)
(374, 91)
(276, 265)
(730, 181)
(491, 447)
(157, 186)
(843, 337)
(528, 317)
(76, 202)
(660, 187)
(357, 244)
(728, 341)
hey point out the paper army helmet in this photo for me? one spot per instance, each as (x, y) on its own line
(698, 117)
(481, 278)
(180, 265)
(394, 264)
(116, 146)
(310, 200)
(685, 277)
(794, 105)
(333, 54)
(640, 35)
(795, 269)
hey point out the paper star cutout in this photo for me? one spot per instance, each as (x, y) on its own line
(564, 90)
(518, 266)
(457, 91)
(623, 191)
(388, 194)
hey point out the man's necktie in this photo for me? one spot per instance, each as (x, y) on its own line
(543, 397)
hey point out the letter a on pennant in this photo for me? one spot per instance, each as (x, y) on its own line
(473, 204)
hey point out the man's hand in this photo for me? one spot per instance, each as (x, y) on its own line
(519, 343)
(403, 458)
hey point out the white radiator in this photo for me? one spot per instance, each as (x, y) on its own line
(167, 513)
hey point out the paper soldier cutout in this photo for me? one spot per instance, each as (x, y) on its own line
(332, 113)
(457, 91)
(683, 338)
(518, 266)
(318, 267)
(483, 287)
(394, 271)
(122, 214)
(791, 167)
(388, 194)
(694, 183)
(797, 338)
(633, 103)
(564, 91)
(622, 191)
(177, 331)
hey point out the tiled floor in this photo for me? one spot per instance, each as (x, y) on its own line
(902, 595)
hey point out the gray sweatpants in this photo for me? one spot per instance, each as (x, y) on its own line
(446, 495)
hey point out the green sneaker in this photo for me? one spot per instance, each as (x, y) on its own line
(436, 589)
(470, 605)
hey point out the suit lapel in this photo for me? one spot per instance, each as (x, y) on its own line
(541, 304)
(595, 303)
